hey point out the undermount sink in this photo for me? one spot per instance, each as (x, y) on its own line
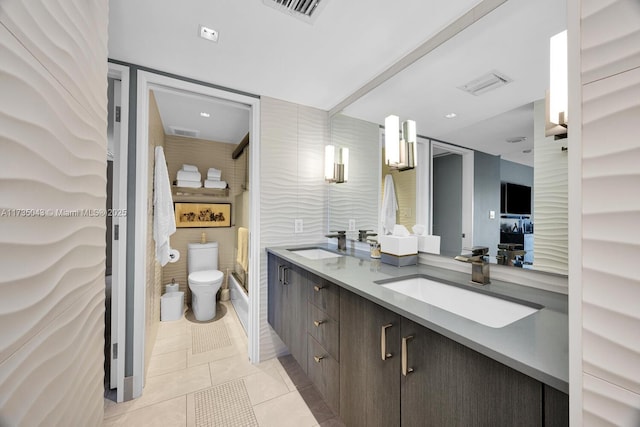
(315, 253)
(485, 309)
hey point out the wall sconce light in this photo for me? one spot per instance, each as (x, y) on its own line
(400, 148)
(556, 120)
(336, 164)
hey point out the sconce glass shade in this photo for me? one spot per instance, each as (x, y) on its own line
(336, 164)
(558, 85)
(391, 140)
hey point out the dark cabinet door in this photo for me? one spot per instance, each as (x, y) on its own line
(295, 307)
(556, 408)
(275, 294)
(448, 384)
(369, 386)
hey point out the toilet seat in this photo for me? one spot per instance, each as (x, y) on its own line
(205, 277)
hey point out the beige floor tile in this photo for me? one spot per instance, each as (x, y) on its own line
(169, 329)
(164, 387)
(231, 368)
(191, 410)
(234, 350)
(167, 362)
(288, 410)
(171, 343)
(265, 385)
(162, 414)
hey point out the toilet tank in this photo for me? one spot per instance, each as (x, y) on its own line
(202, 256)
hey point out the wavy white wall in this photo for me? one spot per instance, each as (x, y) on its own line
(610, 212)
(292, 143)
(53, 123)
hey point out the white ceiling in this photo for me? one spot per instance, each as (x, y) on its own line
(266, 52)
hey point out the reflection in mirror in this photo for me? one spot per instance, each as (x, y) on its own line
(488, 124)
(356, 202)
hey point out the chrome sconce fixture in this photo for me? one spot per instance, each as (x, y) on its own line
(556, 100)
(336, 164)
(400, 147)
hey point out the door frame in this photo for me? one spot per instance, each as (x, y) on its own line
(119, 247)
(147, 81)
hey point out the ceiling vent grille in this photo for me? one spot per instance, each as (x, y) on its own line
(184, 132)
(486, 83)
(306, 10)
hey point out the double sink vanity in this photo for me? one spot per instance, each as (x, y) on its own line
(419, 345)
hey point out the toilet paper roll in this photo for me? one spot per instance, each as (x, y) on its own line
(174, 255)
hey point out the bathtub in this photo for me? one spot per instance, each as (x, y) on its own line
(240, 300)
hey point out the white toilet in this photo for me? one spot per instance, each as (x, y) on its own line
(204, 278)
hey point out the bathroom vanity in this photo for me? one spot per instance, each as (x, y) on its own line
(381, 357)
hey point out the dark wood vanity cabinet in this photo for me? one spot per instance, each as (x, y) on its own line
(426, 379)
(376, 368)
(287, 306)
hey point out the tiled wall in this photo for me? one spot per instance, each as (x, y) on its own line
(53, 122)
(610, 212)
(292, 167)
(550, 198)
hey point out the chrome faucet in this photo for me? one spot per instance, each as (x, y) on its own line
(363, 234)
(342, 239)
(479, 264)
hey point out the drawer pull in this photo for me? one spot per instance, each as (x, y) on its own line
(317, 288)
(405, 370)
(318, 358)
(318, 322)
(383, 342)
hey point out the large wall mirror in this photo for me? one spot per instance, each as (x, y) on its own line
(504, 126)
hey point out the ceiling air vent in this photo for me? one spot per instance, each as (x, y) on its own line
(184, 132)
(485, 83)
(306, 10)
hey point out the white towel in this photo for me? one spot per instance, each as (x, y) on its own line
(189, 184)
(188, 176)
(212, 183)
(389, 206)
(214, 173)
(190, 168)
(164, 220)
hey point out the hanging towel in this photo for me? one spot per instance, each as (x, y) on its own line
(164, 220)
(243, 248)
(389, 206)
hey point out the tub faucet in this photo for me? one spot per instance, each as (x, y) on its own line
(363, 234)
(342, 239)
(479, 264)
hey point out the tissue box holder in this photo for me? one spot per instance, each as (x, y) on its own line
(399, 250)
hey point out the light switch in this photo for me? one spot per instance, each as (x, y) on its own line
(297, 226)
(352, 225)
(492, 214)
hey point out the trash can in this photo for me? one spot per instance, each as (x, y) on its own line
(171, 306)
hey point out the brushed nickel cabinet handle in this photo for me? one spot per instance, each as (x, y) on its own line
(285, 276)
(405, 370)
(383, 342)
(280, 267)
(318, 288)
(318, 322)
(318, 358)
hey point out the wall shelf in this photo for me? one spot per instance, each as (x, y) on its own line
(187, 194)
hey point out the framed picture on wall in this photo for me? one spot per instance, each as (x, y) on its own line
(202, 214)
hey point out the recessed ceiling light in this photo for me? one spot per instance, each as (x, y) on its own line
(516, 139)
(451, 115)
(203, 114)
(208, 34)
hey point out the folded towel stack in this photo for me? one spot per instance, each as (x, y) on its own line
(213, 179)
(189, 177)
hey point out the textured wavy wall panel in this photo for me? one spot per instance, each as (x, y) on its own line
(610, 212)
(550, 199)
(291, 177)
(358, 198)
(53, 144)
(610, 38)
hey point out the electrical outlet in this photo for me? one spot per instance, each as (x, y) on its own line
(352, 225)
(297, 226)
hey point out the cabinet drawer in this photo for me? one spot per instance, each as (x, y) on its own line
(325, 295)
(324, 373)
(324, 329)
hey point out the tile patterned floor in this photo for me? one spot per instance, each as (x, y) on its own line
(198, 378)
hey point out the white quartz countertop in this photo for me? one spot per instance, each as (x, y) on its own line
(536, 345)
